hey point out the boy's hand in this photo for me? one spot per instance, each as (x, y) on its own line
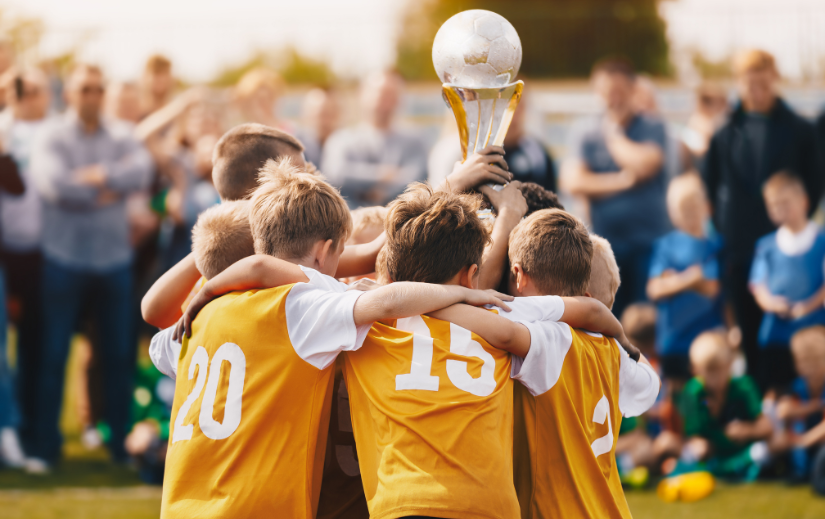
(780, 306)
(738, 431)
(803, 308)
(509, 202)
(184, 326)
(487, 297)
(632, 351)
(485, 166)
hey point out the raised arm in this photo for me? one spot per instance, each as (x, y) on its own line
(161, 306)
(486, 166)
(510, 208)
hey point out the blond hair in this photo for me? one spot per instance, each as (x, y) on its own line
(221, 237)
(157, 64)
(753, 60)
(807, 338)
(554, 248)
(708, 347)
(683, 186)
(291, 210)
(432, 235)
(604, 272)
(258, 78)
(365, 219)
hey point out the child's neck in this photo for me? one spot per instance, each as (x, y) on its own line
(796, 227)
(697, 232)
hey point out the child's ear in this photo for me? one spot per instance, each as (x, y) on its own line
(587, 294)
(323, 249)
(521, 279)
(469, 276)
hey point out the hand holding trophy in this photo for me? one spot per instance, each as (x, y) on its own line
(477, 55)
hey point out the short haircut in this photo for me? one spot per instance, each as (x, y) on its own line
(221, 237)
(639, 323)
(710, 346)
(604, 272)
(432, 235)
(682, 186)
(807, 338)
(615, 65)
(291, 210)
(83, 68)
(554, 248)
(753, 60)
(538, 198)
(158, 64)
(365, 218)
(783, 180)
(242, 151)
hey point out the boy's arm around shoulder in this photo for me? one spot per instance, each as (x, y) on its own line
(639, 385)
(161, 306)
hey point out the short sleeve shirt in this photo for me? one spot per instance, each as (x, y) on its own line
(638, 215)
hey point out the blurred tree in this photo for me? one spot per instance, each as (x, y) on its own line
(560, 38)
(296, 68)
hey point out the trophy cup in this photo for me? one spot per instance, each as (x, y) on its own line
(477, 55)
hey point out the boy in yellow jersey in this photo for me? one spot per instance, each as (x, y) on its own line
(251, 405)
(575, 384)
(431, 402)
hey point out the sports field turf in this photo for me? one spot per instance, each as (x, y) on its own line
(92, 488)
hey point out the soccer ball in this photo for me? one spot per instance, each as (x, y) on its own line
(477, 49)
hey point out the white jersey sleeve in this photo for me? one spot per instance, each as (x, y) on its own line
(550, 340)
(638, 385)
(320, 321)
(541, 368)
(165, 352)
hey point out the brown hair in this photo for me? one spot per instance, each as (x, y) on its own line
(242, 151)
(604, 272)
(538, 198)
(291, 210)
(431, 235)
(614, 65)
(753, 60)
(782, 180)
(158, 64)
(221, 237)
(639, 323)
(553, 248)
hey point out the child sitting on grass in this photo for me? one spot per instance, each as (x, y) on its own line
(723, 421)
(802, 410)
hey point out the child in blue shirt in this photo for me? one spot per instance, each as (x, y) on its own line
(787, 278)
(684, 278)
(803, 409)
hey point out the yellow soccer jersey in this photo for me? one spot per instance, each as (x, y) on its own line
(342, 493)
(432, 415)
(576, 386)
(252, 401)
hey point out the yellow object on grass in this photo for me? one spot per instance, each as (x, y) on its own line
(686, 487)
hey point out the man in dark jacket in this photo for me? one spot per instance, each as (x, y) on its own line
(762, 136)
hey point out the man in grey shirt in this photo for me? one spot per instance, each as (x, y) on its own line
(373, 163)
(84, 167)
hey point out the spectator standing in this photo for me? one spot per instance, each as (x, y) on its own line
(616, 162)
(256, 96)
(21, 230)
(527, 157)
(157, 84)
(84, 167)
(709, 114)
(762, 136)
(320, 113)
(374, 162)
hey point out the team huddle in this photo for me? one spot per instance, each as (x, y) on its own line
(422, 395)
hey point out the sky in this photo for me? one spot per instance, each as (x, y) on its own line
(357, 36)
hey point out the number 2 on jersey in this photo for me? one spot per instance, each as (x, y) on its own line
(600, 415)
(210, 427)
(461, 343)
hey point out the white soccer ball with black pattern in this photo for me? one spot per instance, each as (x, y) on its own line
(477, 49)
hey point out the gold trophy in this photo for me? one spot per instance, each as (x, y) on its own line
(477, 55)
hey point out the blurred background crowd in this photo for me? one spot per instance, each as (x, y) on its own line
(705, 175)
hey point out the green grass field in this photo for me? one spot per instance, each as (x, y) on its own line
(89, 487)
